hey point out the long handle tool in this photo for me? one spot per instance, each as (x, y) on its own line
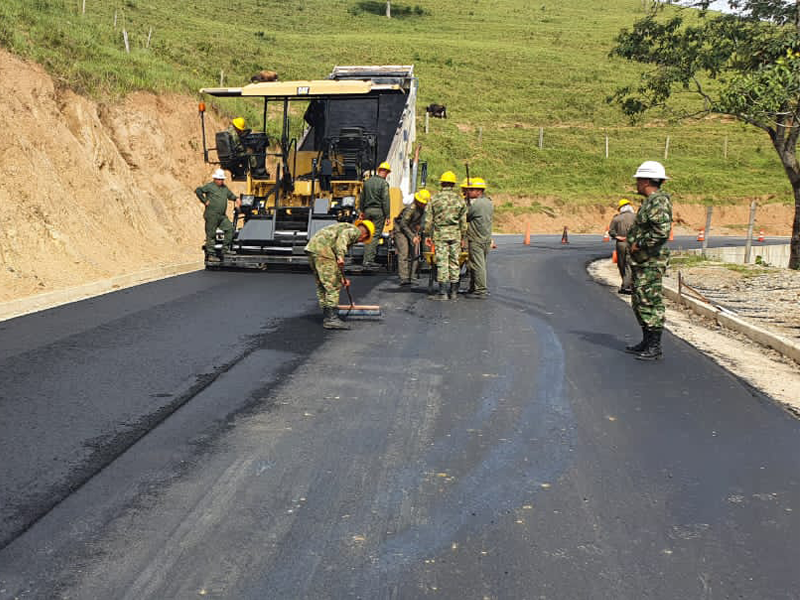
(357, 310)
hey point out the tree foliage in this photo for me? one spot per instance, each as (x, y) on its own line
(745, 64)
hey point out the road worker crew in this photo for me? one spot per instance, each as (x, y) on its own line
(215, 195)
(407, 236)
(479, 235)
(447, 222)
(618, 231)
(375, 206)
(649, 257)
(326, 251)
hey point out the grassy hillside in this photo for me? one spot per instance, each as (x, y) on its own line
(503, 67)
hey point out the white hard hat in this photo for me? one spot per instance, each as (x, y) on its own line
(218, 174)
(651, 169)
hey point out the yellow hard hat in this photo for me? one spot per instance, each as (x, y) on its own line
(238, 122)
(422, 196)
(623, 202)
(448, 177)
(385, 166)
(475, 183)
(370, 228)
(463, 185)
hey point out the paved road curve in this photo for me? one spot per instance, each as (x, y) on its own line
(201, 437)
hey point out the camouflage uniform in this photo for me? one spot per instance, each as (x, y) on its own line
(323, 250)
(479, 240)
(215, 215)
(376, 206)
(406, 228)
(650, 232)
(447, 218)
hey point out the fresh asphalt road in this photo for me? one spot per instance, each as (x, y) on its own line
(203, 437)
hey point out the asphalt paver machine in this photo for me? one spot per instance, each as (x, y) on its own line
(352, 121)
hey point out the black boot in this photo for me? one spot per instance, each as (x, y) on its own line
(636, 348)
(653, 349)
(442, 295)
(332, 320)
(453, 291)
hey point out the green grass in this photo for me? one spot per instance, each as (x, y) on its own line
(507, 67)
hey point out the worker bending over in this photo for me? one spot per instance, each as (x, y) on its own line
(407, 228)
(215, 195)
(326, 251)
(447, 222)
(618, 231)
(375, 206)
(649, 257)
(479, 235)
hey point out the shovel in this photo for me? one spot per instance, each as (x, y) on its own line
(356, 310)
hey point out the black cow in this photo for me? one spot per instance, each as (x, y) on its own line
(437, 110)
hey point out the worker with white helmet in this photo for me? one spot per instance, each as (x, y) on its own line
(215, 196)
(618, 231)
(649, 256)
(375, 206)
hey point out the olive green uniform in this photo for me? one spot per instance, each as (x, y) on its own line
(217, 197)
(406, 227)
(323, 250)
(376, 206)
(618, 230)
(479, 240)
(447, 220)
(650, 232)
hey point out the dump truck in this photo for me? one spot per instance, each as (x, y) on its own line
(311, 177)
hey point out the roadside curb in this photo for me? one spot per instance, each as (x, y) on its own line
(31, 304)
(781, 344)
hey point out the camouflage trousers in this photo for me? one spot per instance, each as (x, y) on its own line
(648, 296)
(328, 278)
(447, 268)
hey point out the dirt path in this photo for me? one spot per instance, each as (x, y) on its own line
(761, 367)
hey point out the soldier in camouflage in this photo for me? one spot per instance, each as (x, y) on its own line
(375, 206)
(406, 236)
(649, 257)
(447, 221)
(326, 251)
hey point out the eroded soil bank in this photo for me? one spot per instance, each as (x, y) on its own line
(94, 190)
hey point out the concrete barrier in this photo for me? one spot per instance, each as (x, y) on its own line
(773, 254)
(31, 304)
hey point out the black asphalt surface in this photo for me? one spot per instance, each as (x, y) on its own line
(203, 437)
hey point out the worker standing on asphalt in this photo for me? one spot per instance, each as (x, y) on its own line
(649, 257)
(407, 236)
(618, 231)
(326, 251)
(375, 206)
(447, 221)
(215, 195)
(479, 236)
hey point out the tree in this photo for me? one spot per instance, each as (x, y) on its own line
(745, 64)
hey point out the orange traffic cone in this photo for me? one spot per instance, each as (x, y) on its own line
(527, 240)
(701, 236)
(606, 237)
(671, 234)
(761, 236)
(614, 257)
(565, 236)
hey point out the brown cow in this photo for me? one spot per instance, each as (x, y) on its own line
(263, 76)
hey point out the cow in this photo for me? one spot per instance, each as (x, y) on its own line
(437, 110)
(263, 76)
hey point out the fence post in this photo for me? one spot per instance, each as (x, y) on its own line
(750, 232)
(709, 211)
(606, 145)
(480, 135)
(115, 19)
(541, 138)
(725, 148)
(125, 39)
(221, 77)
(666, 149)
(149, 35)
(427, 121)
(83, 8)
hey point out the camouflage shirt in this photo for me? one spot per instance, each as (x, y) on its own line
(333, 241)
(447, 216)
(375, 194)
(479, 218)
(650, 231)
(217, 197)
(410, 220)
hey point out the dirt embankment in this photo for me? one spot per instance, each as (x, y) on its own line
(91, 191)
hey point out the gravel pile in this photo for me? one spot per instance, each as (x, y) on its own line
(767, 297)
